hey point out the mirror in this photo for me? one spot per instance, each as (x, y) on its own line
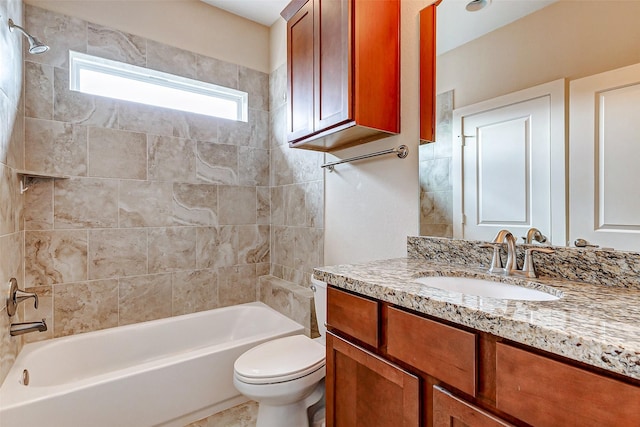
(513, 50)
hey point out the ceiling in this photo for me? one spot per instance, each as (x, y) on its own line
(455, 27)
(264, 12)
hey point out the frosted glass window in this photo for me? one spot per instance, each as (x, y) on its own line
(103, 77)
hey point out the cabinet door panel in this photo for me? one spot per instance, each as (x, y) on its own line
(364, 390)
(332, 58)
(547, 393)
(451, 411)
(300, 73)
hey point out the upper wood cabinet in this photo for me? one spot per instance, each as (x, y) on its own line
(428, 73)
(343, 72)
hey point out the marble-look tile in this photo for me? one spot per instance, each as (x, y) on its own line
(306, 165)
(116, 45)
(282, 245)
(85, 203)
(117, 253)
(217, 246)
(62, 32)
(295, 212)
(217, 163)
(38, 90)
(436, 230)
(81, 108)
(152, 120)
(38, 201)
(436, 175)
(281, 166)
(202, 128)
(171, 159)
(278, 125)
(171, 59)
(195, 204)
(85, 307)
(117, 154)
(237, 205)
(254, 133)
(444, 125)
(244, 415)
(12, 204)
(44, 311)
(215, 71)
(144, 298)
(314, 204)
(287, 298)
(277, 205)
(264, 205)
(12, 261)
(278, 87)
(237, 284)
(10, 346)
(55, 147)
(172, 249)
(145, 204)
(309, 248)
(256, 84)
(57, 256)
(194, 291)
(263, 269)
(253, 166)
(253, 244)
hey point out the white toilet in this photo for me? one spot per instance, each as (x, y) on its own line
(286, 376)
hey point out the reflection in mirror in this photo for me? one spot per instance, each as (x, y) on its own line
(561, 39)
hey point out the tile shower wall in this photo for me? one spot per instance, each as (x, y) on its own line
(297, 197)
(436, 190)
(11, 156)
(164, 213)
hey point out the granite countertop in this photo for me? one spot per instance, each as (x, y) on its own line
(594, 324)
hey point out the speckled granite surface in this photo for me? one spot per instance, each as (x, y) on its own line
(595, 324)
(604, 267)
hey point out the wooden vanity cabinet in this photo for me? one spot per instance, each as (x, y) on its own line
(386, 364)
(343, 72)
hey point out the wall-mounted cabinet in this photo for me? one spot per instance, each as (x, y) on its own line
(343, 71)
(428, 73)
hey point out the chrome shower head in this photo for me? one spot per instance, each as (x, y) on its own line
(35, 45)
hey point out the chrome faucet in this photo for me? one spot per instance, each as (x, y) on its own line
(534, 234)
(496, 262)
(26, 327)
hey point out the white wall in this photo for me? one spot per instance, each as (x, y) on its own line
(187, 24)
(372, 206)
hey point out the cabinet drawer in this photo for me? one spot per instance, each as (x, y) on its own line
(355, 316)
(544, 392)
(449, 410)
(444, 352)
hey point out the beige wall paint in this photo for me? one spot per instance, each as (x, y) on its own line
(568, 39)
(278, 46)
(187, 24)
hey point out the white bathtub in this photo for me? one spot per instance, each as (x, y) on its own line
(167, 372)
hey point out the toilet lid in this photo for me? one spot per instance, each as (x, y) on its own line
(280, 360)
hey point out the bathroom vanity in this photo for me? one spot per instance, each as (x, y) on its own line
(403, 353)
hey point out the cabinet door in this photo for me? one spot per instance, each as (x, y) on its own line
(332, 89)
(300, 59)
(364, 390)
(451, 411)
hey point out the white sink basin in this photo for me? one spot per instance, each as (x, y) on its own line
(486, 288)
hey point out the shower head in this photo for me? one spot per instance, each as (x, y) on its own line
(35, 45)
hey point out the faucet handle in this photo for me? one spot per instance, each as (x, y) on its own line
(528, 267)
(16, 296)
(496, 260)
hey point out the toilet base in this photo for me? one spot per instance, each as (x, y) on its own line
(290, 415)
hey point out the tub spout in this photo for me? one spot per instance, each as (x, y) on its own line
(26, 327)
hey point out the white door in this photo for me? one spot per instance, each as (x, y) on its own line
(604, 153)
(511, 165)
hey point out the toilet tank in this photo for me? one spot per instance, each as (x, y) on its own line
(319, 289)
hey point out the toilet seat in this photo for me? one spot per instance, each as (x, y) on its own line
(280, 360)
